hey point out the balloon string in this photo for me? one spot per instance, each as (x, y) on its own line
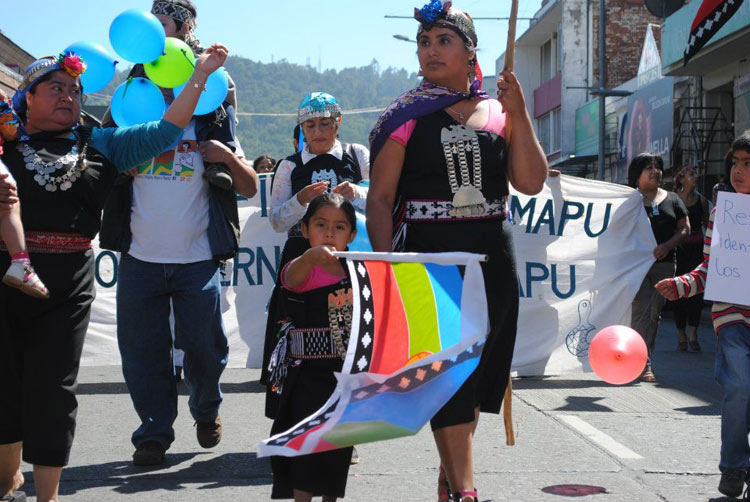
(127, 84)
(184, 53)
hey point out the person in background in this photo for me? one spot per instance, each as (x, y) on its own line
(687, 311)
(669, 222)
(732, 327)
(264, 164)
(173, 225)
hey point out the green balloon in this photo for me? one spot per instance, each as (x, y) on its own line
(174, 67)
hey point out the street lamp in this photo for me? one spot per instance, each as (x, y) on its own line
(404, 38)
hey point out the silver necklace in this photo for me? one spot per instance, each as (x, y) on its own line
(468, 199)
(458, 114)
(44, 170)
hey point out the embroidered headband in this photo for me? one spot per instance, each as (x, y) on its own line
(176, 12)
(437, 13)
(71, 63)
(318, 105)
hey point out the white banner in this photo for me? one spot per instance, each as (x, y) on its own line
(582, 248)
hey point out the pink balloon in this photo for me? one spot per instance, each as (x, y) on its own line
(618, 354)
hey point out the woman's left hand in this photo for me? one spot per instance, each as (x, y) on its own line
(214, 151)
(212, 59)
(346, 190)
(661, 251)
(510, 94)
(8, 193)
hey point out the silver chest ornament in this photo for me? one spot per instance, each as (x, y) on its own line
(45, 171)
(457, 141)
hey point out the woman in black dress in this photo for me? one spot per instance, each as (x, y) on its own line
(63, 173)
(443, 155)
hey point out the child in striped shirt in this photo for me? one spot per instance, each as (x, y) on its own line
(732, 326)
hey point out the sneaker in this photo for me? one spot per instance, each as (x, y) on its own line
(732, 481)
(355, 457)
(218, 176)
(149, 453)
(23, 277)
(208, 433)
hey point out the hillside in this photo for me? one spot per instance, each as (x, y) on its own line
(279, 87)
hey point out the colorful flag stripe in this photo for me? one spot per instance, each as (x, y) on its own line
(421, 313)
(389, 353)
(447, 284)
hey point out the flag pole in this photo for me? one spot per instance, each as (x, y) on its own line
(510, 53)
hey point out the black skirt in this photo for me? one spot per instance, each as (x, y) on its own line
(293, 248)
(485, 388)
(306, 389)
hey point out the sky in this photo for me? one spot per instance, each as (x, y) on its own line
(337, 33)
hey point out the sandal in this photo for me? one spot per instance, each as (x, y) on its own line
(648, 375)
(460, 496)
(695, 346)
(444, 488)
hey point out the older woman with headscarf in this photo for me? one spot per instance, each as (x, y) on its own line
(443, 156)
(63, 173)
(324, 164)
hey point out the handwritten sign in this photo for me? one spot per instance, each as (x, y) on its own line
(729, 265)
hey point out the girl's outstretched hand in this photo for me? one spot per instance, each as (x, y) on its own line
(321, 255)
(665, 289)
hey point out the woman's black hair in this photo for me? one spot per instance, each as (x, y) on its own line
(639, 163)
(741, 143)
(295, 133)
(334, 200)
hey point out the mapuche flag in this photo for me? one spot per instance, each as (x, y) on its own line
(419, 323)
(711, 16)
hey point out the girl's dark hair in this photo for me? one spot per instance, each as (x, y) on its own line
(639, 163)
(741, 143)
(295, 133)
(262, 158)
(334, 200)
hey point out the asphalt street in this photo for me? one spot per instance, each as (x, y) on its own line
(574, 435)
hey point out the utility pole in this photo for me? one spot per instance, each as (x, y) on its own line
(602, 84)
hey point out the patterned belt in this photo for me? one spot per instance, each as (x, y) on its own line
(314, 343)
(54, 243)
(440, 210)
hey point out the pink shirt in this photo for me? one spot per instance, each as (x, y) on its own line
(495, 124)
(317, 278)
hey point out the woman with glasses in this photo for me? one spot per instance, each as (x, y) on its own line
(323, 164)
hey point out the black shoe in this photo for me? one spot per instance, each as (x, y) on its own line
(732, 481)
(149, 453)
(178, 374)
(218, 176)
(209, 433)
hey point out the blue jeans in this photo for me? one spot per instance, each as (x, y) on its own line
(144, 291)
(733, 374)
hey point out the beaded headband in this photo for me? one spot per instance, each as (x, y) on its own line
(71, 63)
(176, 12)
(318, 105)
(437, 13)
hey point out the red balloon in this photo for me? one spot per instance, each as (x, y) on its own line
(618, 354)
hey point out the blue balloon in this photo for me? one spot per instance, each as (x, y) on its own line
(361, 242)
(136, 101)
(100, 66)
(137, 35)
(217, 86)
